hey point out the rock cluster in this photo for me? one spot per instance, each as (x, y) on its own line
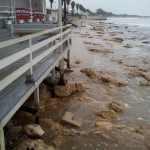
(69, 88)
(80, 87)
(64, 91)
(115, 106)
(106, 114)
(141, 72)
(33, 145)
(102, 77)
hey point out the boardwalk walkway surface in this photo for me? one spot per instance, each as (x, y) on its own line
(29, 58)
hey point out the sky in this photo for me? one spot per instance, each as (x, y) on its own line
(131, 7)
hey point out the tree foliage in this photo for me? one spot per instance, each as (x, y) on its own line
(104, 13)
(51, 2)
(72, 6)
(68, 2)
(77, 7)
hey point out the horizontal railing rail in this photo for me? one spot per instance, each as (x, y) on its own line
(27, 66)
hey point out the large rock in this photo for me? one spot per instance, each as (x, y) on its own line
(98, 48)
(140, 72)
(128, 46)
(34, 130)
(120, 40)
(107, 114)
(86, 99)
(64, 91)
(146, 42)
(80, 87)
(33, 145)
(115, 106)
(72, 119)
(144, 83)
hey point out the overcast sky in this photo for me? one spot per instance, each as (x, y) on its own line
(132, 7)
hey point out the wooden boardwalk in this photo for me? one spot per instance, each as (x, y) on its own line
(24, 63)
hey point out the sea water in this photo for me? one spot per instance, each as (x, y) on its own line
(141, 21)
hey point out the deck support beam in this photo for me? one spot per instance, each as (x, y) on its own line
(53, 75)
(2, 139)
(68, 59)
(36, 102)
(62, 80)
(50, 86)
(33, 111)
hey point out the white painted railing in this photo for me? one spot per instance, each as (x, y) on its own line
(28, 52)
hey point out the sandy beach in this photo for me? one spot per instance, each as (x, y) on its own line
(111, 63)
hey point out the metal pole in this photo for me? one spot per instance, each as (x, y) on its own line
(15, 12)
(12, 9)
(44, 9)
(60, 13)
(30, 6)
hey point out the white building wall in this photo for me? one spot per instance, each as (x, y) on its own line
(52, 15)
(22, 3)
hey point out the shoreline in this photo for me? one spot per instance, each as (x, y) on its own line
(114, 64)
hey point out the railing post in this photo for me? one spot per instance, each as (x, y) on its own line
(29, 75)
(68, 53)
(2, 139)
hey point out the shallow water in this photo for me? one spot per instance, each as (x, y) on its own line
(137, 97)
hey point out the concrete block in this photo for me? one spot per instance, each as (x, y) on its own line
(72, 119)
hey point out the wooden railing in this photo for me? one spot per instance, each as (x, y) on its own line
(62, 34)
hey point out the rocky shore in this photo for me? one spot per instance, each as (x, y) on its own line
(108, 89)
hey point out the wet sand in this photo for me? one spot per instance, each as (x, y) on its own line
(120, 56)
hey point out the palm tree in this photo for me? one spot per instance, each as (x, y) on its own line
(84, 9)
(77, 7)
(72, 6)
(51, 2)
(68, 3)
(88, 11)
(81, 8)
